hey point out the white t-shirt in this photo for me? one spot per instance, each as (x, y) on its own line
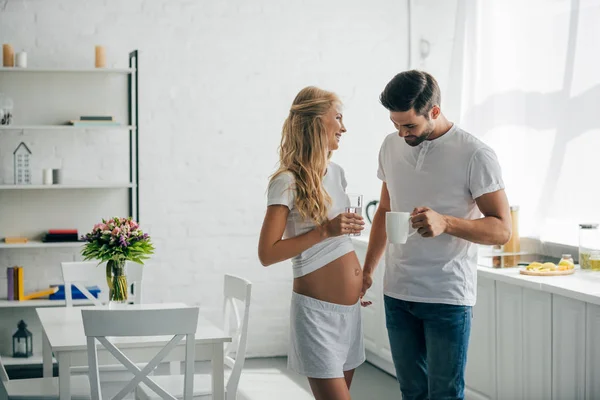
(446, 174)
(282, 191)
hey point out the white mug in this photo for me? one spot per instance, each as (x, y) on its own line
(397, 227)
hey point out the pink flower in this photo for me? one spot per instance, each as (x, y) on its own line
(133, 225)
(116, 231)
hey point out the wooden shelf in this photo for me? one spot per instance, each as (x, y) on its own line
(41, 303)
(108, 185)
(64, 127)
(38, 244)
(70, 70)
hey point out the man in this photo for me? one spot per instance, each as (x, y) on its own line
(447, 178)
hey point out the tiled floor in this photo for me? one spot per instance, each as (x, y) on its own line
(369, 383)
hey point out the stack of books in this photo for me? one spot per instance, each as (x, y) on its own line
(16, 289)
(94, 120)
(61, 235)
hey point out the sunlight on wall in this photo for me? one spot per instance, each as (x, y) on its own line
(533, 97)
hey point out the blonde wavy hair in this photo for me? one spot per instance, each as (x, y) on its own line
(304, 151)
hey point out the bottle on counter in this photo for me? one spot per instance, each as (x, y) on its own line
(514, 244)
(589, 241)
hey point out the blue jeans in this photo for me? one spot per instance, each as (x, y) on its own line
(429, 348)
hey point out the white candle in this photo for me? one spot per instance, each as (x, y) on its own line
(21, 347)
(47, 176)
(21, 60)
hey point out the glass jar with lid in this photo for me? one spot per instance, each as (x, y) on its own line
(589, 241)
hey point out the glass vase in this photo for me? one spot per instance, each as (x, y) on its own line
(117, 283)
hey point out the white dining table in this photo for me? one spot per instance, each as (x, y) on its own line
(64, 336)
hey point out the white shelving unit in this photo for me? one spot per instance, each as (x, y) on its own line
(35, 359)
(45, 99)
(69, 70)
(40, 303)
(38, 244)
(101, 185)
(79, 83)
(64, 127)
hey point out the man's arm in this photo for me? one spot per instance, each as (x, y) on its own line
(377, 240)
(494, 228)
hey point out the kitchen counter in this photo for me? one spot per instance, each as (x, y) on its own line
(583, 285)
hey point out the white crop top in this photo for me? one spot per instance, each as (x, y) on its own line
(282, 191)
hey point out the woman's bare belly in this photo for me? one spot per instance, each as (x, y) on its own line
(338, 282)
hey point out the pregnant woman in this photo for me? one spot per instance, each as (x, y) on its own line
(306, 222)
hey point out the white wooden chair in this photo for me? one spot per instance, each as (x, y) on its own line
(80, 273)
(179, 322)
(40, 388)
(236, 290)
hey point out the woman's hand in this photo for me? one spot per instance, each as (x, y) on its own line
(367, 282)
(344, 224)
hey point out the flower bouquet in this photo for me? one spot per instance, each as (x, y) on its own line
(115, 241)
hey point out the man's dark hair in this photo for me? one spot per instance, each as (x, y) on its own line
(411, 89)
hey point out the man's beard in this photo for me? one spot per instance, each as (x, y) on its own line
(420, 139)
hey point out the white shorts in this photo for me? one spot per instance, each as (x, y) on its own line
(326, 339)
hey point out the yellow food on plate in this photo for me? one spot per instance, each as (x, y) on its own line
(565, 265)
(548, 266)
(537, 266)
(534, 266)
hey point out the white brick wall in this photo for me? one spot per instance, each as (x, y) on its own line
(217, 78)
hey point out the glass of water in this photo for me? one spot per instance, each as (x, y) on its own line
(354, 205)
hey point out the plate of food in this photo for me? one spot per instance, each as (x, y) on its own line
(535, 268)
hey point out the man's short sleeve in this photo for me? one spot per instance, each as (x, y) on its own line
(485, 174)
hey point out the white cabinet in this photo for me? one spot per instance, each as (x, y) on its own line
(568, 348)
(524, 334)
(537, 345)
(511, 342)
(480, 374)
(592, 353)
(509, 337)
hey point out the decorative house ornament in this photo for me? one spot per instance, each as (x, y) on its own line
(22, 159)
(22, 341)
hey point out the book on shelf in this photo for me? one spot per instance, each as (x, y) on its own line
(61, 235)
(15, 240)
(40, 293)
(93, 123)
(18, 283)
(76, 294)
(16, 287)
(96, 118)
(10, 279)
(62, 231)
